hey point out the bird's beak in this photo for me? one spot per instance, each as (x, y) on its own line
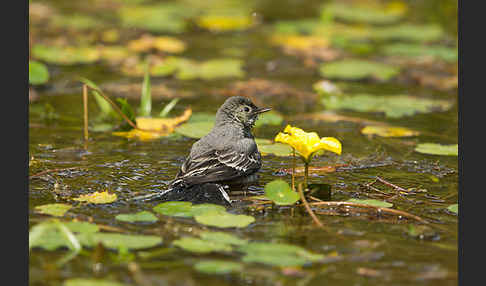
(261, 110)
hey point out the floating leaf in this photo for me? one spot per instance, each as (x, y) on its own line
(351, 69)
(278, 254)
(164, 17)
(97, 198)
(280, 193)
(90, 282)
(47, 235)
(224, 219)
(200, 209)
(221, 23)
(437, 149)
(70, 55)
(300, 42)
(182, 209)
(454, 208)
(75, 21)
(222, 237)
(389, 131)
(160, 43)
(372, 14)
(195, 130)
(393, 106)
(421, 51)
(53, 209)
(81, 227)
(143, 216)
(153, 128)
(408, 32)
(372, 202)
(117, 240)
(218, 266)
(269, 118)
(277, 149)
(211, 69)
(201, 246)
(38, 73)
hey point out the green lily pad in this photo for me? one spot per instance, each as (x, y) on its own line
(278, 254)
(393, 106)
(269, 118)
(280, 193)
(454, 208)
(408, 32)
(419, 51)
(277, 149)
(362, 13)
(224, 219)
(195, 130)
(200, 209)
(91, 282)
(69, 55)
(211, 69)
(202, 117)
(118, 240)
(201, 246)
(372, 202)
(49, 237)
(352, 69)
(182, 209)
(76, 21)
(143, 216)
(437, 149)
(222, 237)
(164, 17)
(218, 266)
(53, 209)
(38, 73)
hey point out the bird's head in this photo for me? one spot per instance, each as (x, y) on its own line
(239, 109)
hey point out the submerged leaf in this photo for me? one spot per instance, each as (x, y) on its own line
(437, 149)
(97, 198)
(53, 209)
(217, 266)
(222, 237)
(351, 69)
(278, 254)
(421, 51)
(277, 149)
(220, 23)
(160, 43)
(408, 32)
(280, 193)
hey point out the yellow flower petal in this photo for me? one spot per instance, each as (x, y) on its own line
(307, 143)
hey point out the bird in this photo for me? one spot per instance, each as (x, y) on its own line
(227, 155)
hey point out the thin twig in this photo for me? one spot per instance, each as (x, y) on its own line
(381, 209)
(85, 103)
(115, 107)
(50, 171)
(307, 207)
(398, 188)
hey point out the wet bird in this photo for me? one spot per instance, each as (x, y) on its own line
(227, 155)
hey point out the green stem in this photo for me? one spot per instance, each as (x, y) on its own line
(293, 168)
(306, 174)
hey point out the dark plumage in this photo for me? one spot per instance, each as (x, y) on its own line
(227, 154)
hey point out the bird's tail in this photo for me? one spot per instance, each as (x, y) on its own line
(152, 196)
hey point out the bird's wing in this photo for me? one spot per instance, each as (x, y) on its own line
(217, 166)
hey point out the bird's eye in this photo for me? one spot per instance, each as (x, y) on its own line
(247, 109)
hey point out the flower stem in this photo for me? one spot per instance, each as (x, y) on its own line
(293, 168)
(306, 174)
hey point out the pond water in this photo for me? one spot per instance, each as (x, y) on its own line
(361, 247)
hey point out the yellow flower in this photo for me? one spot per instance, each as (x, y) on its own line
(307, 143)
